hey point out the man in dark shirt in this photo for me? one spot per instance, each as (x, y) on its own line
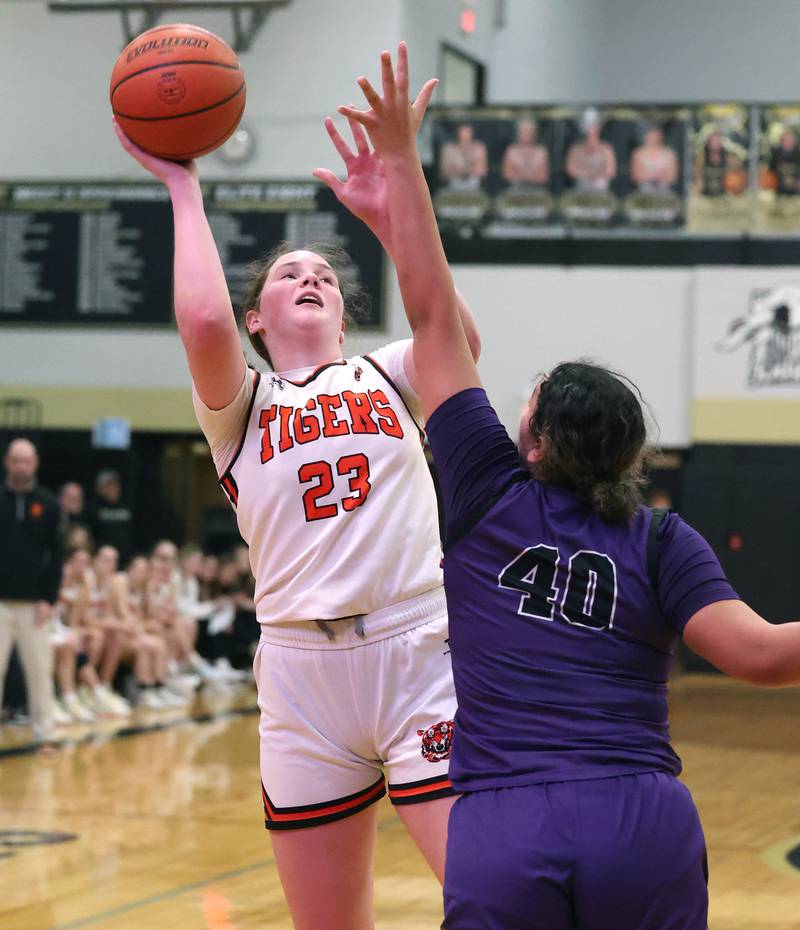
(71, 502)
(30, 575)
(110, 518)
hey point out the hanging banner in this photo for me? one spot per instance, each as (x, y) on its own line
(520, 173)
(721, 199)
(779, 170)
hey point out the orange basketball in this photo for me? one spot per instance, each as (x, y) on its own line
(767, 180)
(735, 181)
(178, 91)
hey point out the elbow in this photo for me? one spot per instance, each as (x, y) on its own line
(201, 324)
(767, 666)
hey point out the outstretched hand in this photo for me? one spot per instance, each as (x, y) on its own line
(163, 169)
(392, 121)
(364, 190)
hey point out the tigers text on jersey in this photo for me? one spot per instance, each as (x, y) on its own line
(331, 488)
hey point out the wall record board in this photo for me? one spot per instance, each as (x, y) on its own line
(101, 252)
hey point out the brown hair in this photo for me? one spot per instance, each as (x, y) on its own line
(355, 297)
(596, 435)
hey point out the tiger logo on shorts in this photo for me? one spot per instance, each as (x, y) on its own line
(437, 740)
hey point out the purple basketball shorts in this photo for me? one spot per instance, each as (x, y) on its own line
(621, 853)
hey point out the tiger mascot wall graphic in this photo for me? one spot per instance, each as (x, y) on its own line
(771, 330)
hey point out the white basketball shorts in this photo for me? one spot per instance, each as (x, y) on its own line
(344, 701)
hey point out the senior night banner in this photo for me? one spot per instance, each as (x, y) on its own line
(747, 356)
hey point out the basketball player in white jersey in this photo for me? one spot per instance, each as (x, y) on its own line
(322, 459)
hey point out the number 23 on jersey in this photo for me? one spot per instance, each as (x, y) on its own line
(319, 475)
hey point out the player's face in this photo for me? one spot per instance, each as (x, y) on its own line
(71, 498)
(301, 295)
(78, 563)
(164, 559)
(228, 574)
(654, 138)
(137, 571)
(210, 568)
(105, 562)
(192, 564)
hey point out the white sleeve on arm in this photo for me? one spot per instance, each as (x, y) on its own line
(224, 428)
(391, 359)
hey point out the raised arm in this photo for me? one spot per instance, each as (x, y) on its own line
(735, 639)
(203, 309)
(443, 360)
(364, 192)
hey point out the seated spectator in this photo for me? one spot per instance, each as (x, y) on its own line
(200, 610)
(97, 609)
(78, 536)
(186, 667)
(246, 630)
(218, 643)
(145, 649)
(87, 645)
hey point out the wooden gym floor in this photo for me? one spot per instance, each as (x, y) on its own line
(163, 829)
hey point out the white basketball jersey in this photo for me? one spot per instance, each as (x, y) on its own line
(333, 494)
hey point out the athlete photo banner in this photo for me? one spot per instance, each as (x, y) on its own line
(778, 208)
(528, 172)
(496, 170)
(721, 199)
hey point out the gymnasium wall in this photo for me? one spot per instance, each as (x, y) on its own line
(530, 317)
(645, 50)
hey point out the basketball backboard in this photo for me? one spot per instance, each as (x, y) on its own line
(247, 16)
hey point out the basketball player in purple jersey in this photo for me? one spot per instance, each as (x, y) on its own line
(566, 600)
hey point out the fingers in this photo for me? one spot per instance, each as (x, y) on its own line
(359, 137)
(338, 142)
(124, 140)
(402, 69)
(328, 178)
(362, 117)
(387, 76)
(371, 95)
(130, 147)
(424, 98)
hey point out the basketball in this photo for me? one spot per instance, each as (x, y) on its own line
(178, 91)
(735, 181)
(767, 180)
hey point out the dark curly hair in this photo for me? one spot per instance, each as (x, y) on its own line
(596, 434)
(354, 295)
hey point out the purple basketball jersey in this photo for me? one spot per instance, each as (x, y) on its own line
(561, 645)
